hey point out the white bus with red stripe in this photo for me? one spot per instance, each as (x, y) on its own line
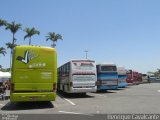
(77, 76)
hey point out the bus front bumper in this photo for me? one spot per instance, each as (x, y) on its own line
(122, 85)
(107, 87)
(83, 90)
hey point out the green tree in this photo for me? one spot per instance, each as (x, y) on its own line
(53, 37)
(0, 66)
(30, 32)
(13, 27)
(2, 51)
(10, 46)
(3, 22)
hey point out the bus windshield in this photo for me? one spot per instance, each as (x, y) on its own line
(108, 68)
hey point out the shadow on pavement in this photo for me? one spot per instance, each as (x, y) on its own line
(120, 89)
(27, 106)
(105, 92)
(112, 91)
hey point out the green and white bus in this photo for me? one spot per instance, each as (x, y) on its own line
(34, 74)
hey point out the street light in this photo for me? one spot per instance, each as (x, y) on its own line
(86, 51)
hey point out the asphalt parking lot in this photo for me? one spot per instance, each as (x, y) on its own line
(137, 99)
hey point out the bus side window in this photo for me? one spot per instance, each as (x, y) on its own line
(59, 71)
(67, 68)
(62, 70)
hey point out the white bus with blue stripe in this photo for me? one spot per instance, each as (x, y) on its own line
(107, 76)
(122, 76)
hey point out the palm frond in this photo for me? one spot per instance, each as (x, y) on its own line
(3, 51)
(30, 32)
(3, 22)
(53, 37)
(13, 27)
(10, 45)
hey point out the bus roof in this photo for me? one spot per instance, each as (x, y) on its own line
(77, 60)
(23, 46)
(121, 69)
(107, 64)
(81, 60)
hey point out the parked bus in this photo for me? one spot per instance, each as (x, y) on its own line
(107, 77)
(34, 74)
(77, 76)
(129, 77)
(133, 77)
(144, 78)
(151, 78)
(139, 80)
(122, 77)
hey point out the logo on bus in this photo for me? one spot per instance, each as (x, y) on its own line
(28, 56)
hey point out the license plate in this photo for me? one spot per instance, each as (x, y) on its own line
(33, 98)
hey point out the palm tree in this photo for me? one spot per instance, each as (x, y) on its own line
(2, 51)
(10, 45)
(2, 22)
(30, 32)
(53, 37)
(13, 27)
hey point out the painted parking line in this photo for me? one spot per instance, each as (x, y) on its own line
(101, 95)
(69, 101)
(75, 113)
(69, 112)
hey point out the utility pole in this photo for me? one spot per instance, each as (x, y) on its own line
(86, 51)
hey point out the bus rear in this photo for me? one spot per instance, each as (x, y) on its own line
(129, 77)
(144, 78)
(34, 74)
(107, 77)
(82, 77)
(122, 77)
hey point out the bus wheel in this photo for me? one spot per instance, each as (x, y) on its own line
(98, 91)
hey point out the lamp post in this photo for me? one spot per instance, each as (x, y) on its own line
(86, 51)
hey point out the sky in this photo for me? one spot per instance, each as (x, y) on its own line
(124, 32)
